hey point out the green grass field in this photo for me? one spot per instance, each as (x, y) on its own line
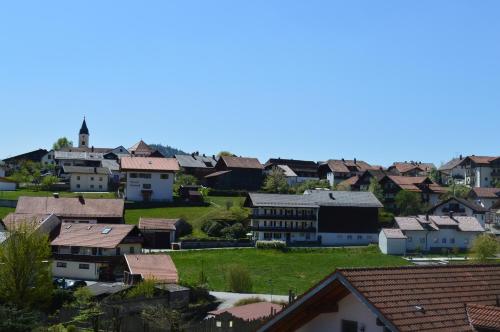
(5, 211)
(194, 215)
(298, 269)
(14, 195)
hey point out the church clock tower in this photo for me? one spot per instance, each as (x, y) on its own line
(83, 140)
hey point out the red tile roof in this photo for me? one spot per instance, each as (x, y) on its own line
(71, 207)
(342, 166)
(92, 235)
(484, 317)
(15, 220)
(349, 182)
(140, 147)
(159, 267)
(414, 298)
(157, 223)
(484, 160)
(486, 192)
(241, 162)
(252, 311)
(149, 164)
(403, 167)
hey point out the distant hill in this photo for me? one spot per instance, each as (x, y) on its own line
(167, 151)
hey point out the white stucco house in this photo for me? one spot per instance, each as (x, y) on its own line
(149, 178)
(429, 233)
(88, 179)
(460, 207)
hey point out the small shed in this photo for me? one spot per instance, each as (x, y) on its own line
(7, 185)
(158, 267)
(158, 233)
(392, 241)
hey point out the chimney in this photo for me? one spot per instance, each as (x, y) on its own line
(354, 160)
(427, 216)
(451, 214)
(331, 196)
(55, 195)
(92, 148)
(461, 157)
(192, 154)
(343, 159)
(95, 170)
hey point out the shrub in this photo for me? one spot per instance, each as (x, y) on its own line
(183, 228)
(484, 247)
(248, 300)
(239, 279)
(235, 231)
(212, 228)
(273, 244)
(145, 288)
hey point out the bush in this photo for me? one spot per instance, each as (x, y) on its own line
(239, 279)
(484, 247)
(248, 300)
(235, 231)
(183, 228)
(273, 244)
(212, 228)
(145, 288)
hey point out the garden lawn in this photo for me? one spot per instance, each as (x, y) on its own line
(194, 215)
(5, 211)
(276, 272)
(14, 195)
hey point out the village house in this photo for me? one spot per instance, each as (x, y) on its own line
(93, 251)
(486, 197)
(45, 223)
(392, 299)
(429, 233)
(319, 216)
(411, 168)
(452, 172)
(149, 178)
(157, 267)
(15, 162)
(362, 182)
(460, 207)
(236, 173)
(88, 179)
(336, 171)
(481, 171)
(158, 233)
(196, 165)
(296, 171)
(140, 149)
(392, 184)
(74, 209)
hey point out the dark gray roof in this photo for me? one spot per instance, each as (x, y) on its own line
(317, 198)
(84, 129)
(111, 164)
(102, 288)
(451, 164)
(86, 170)
(197, 161)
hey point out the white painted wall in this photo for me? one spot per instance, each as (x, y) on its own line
(73, 271)
(80, 182)
(391, 246)
(2, 172)
(48, 159)
(7, 186)
(348, 239)
(350, 308)
(162, 189)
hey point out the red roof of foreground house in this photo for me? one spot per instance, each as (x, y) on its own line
(149, 164)
(252, 311)
(159, 267)
(484, 317)
(414, 298)
(92, 235)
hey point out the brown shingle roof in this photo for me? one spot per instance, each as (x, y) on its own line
(159, 267)
(149, 164)
(92, 235)
(15, 220)
(342, 166)
(484, 317)
(241, 162)
(403, 167)
(140, 147)
(415, 298)
(252, 311)
(484, 160)
(486, 192)
(157, 223)
(393, 233)
(71, 207)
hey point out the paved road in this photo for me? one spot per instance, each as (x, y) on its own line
(229, 299)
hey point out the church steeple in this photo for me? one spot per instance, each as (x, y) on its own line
(83, 139)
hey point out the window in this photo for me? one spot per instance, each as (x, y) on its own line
(75, 250)
(100, 186)
(100, 178)
(91, 178)
(144, 175)
(277, 235)
(443, 240)
(164, 176)
(360, 237)
(78, 177)
(132, 250)
(84, 266)
(349, 326)
(61, 264)
(268, 236)
(133, 175)
(349, 237)
(146, 186)
(78, 185)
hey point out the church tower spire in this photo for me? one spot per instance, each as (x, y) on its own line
(83, 139)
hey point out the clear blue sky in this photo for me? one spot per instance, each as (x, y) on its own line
(381, 81)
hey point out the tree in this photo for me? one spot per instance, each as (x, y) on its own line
(25, 269)
(484, 247)
(161, 317)
(89, 311)
(239, 279)
(48, 181)
(342, 186)
(434, 175)
(311, 184)
(225, 154)
(182, 179)
(457, 190)
(275, 181)
(18, 320)
(62, 142)
(376, 189)
(409, 203)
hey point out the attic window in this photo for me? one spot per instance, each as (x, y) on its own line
(106, 230)
(420, 309)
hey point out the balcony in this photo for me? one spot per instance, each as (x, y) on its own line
(283, 217)
(495, 174)
(87, 258)
(283, 229)
(454, 210)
